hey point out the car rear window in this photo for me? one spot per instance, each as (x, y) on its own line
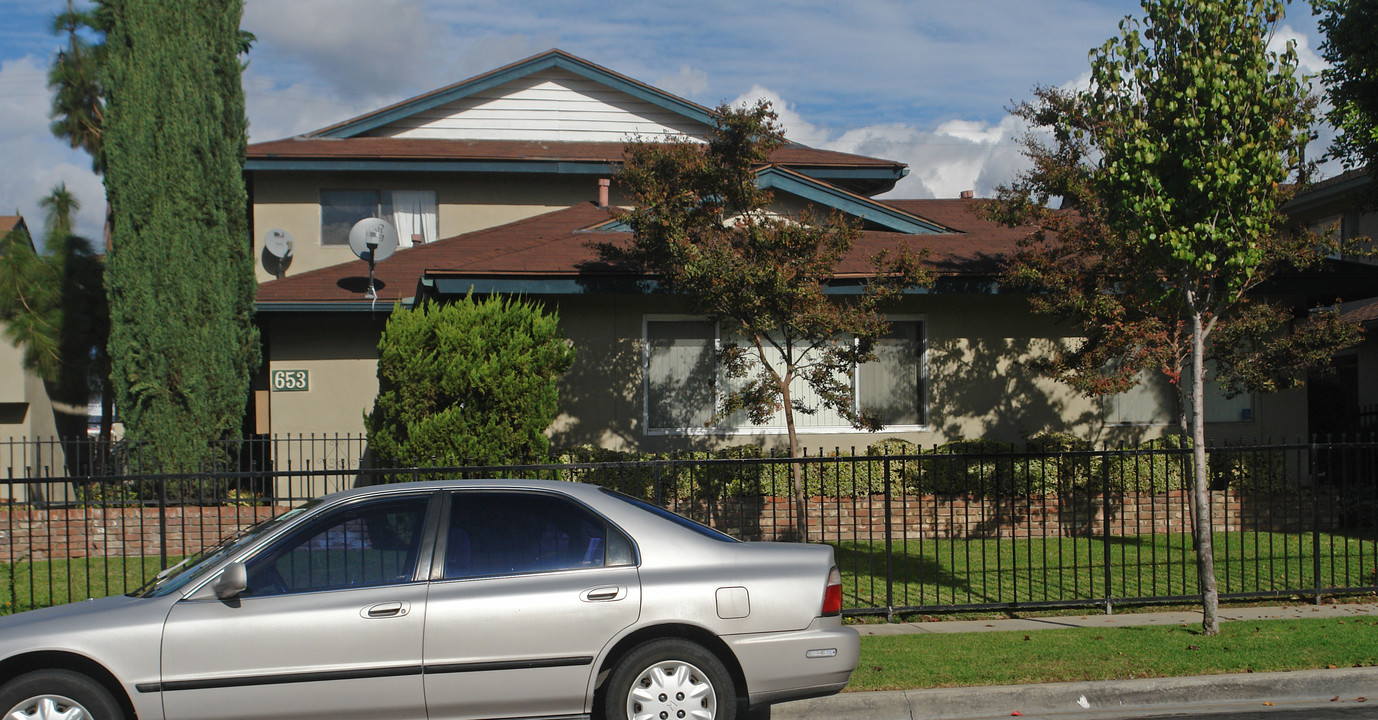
(680, 520)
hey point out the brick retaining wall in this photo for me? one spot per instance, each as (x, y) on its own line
(93, 532)
(86, 532)
(963, 517)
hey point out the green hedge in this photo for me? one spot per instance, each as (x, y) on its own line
(1046, 464)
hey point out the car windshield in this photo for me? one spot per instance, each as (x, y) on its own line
(173, 578)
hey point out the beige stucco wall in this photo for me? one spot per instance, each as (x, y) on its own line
(980, 381)
(291, 201)
(340, 354)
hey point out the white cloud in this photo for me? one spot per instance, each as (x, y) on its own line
(35, 161)
(689, 81)
(957, 155)
(355, 46)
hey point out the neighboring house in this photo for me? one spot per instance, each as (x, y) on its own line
(1345, 398)
(27, 423)
(501, 182)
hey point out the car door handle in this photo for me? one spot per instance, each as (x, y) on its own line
(604, 594)
(385, 610)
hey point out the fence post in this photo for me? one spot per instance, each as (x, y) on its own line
(1316, 517)
(162, 522)
(889, 542)
(1105, 533)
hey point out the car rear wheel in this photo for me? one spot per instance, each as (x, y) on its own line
(670, 679)
(57, 695)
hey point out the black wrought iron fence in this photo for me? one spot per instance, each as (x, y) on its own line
(963, 527)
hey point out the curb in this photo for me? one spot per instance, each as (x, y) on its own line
(1305, 686)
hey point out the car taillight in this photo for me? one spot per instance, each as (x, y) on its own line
(832, 595)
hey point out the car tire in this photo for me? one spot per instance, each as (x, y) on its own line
(54, 694)
(670, 679)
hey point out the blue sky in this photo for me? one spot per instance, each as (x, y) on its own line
(920, 81)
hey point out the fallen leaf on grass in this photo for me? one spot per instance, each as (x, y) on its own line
(1193, 647)
(1026, 638)
(1330, 667)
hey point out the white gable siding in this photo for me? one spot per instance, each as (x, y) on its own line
(554, 105)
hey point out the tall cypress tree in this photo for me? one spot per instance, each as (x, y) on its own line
(179, 273)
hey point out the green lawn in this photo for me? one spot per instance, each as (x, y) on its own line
(27, 585)
(902, 662)
(929, 573)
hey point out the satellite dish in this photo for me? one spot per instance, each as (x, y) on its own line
(373, 239)
(278, 242)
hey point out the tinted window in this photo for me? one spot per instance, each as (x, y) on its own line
(679, 520)
(504, 533)
(361, 545)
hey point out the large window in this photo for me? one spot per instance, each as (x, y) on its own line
(685, 385)
(1151, 402)
(411, 212)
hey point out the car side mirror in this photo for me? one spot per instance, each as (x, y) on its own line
(234, 579)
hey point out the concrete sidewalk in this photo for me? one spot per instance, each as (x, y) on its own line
(1101, 699)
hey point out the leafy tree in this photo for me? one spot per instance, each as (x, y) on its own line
(703, 228)
(472, 381)
(78, 106)
(1175, 160)
(54, 305)
(179, 275)
(1351, 48)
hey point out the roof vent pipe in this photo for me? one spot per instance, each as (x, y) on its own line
(968, 194)
(603, 185)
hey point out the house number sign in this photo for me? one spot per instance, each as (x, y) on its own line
(289, 380)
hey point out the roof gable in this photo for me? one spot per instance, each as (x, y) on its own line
(551, 96)
(871, 214)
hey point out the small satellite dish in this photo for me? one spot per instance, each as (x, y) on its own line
(278, 242)
(373, 239)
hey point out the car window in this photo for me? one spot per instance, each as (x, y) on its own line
(679, 520)
(504, 533)
(360, 545)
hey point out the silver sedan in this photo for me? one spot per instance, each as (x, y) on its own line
(458, 599)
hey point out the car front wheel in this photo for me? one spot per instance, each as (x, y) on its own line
(670, 679)
(57, 695)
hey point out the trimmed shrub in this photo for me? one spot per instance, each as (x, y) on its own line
(1052, 471)
(970, 467)
(468, 382)
(1156, 466)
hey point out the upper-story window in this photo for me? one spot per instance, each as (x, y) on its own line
(412, 212)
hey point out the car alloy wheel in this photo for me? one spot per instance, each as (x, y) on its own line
(57, 695)
(48, 707)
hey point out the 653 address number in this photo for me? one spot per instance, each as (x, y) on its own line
(289, 380)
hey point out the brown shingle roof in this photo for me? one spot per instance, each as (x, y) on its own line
(9, 222)
(555, 245)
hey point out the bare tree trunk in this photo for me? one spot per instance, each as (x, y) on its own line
(1201, 498)
(801, 508)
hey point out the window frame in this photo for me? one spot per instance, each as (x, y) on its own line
(761, 430)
